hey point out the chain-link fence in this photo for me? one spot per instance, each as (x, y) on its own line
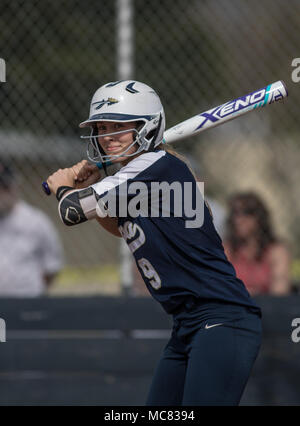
(197, 54)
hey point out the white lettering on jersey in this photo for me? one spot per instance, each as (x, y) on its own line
(129, 231)
(150, 273)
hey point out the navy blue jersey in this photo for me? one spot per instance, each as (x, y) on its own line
(176, 258)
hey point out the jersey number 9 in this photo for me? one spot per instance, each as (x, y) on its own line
(150, 273)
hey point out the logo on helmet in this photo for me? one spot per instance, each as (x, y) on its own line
(130, 88)
(109, 101)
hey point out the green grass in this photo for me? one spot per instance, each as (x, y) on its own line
(87, 280)
(105, 280)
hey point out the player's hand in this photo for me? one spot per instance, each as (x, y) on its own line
(86, 174)
(63, 177)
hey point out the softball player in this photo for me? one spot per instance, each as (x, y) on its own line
(217, 326)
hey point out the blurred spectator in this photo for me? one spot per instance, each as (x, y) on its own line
(31, 253)
(260, 259)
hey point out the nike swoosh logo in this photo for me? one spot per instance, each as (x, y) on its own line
(211, 326)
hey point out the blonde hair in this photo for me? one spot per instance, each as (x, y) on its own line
(166, 147)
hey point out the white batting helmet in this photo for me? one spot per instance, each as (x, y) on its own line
(126, 101)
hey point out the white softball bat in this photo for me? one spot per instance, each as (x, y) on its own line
(221, 114)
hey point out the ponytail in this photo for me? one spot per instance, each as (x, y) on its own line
(166, 147)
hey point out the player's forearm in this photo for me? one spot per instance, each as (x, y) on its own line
(78, 202)
(77, 206)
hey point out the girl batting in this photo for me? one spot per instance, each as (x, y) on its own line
(216, 325)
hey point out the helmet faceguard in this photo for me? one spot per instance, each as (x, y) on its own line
(125, 101)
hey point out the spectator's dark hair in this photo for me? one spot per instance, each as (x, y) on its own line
(251, 204)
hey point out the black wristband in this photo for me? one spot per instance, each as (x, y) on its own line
(61, 190)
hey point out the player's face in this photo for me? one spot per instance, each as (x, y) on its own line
(115, 144)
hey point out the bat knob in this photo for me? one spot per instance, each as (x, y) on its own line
(46, 188)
